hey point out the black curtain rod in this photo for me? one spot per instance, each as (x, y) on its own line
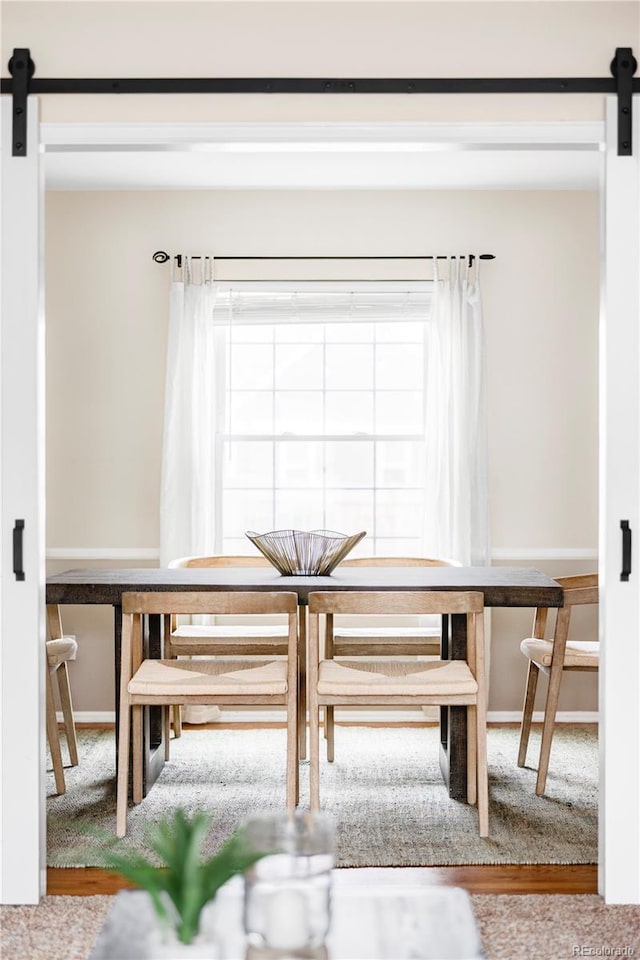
(160, 256)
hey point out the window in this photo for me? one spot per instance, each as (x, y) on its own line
(322, 421)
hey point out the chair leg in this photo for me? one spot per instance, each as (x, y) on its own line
(137, 753)
(53, 736)
(166, 731)
(314, 753)
(329, 732)
(67, 712)
(551, 706)
(302, 683)
(482, 772)
(527, 711)
(302, 717)
(123, 772)
(328, 653)
(302, 724)
(293, 768)
(297, 770)
(472, 756)
(177, 720)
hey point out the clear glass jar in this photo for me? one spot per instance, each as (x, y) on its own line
(287, 897)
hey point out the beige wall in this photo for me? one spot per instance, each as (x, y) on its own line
(106, 341)
(418, 39)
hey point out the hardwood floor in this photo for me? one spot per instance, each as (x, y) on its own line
(514, 878)
(510, 878)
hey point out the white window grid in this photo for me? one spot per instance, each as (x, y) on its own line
(230, 539)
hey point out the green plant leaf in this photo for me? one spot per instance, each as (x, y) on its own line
(182, 887)
(179, 843)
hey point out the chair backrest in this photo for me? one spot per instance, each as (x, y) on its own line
(468, 603)
(398, 562)
(220, 561)
(396, 601)
(209, 602)
(577, 590)
(394, 562)
(169, 603)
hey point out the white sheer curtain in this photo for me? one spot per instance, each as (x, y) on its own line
(456, 516)
(456, 489)
(195, 361)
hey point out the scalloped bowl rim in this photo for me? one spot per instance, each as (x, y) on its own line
(332, 541)
(324, 534)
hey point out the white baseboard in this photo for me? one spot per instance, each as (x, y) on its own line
(544, 553)
(365, 716)
(91, 716)
(562, 716)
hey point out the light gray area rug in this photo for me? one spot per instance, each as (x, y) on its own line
(511, 927)
(384, 791)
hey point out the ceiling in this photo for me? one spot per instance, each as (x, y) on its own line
(322, 165)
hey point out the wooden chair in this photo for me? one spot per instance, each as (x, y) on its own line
(390, 681)
(553, 657)
(59, 650)
(214, 681)
(235, 640)
(375, 640)
(380, 641)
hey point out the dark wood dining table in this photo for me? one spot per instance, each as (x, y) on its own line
(501, 586)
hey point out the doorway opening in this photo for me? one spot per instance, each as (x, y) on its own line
(115, 197)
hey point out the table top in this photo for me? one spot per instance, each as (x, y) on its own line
(367, 922)
(501, 586)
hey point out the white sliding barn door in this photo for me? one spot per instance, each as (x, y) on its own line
(619, 880)
(22, 496)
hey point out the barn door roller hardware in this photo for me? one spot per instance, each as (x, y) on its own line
(21, 68)
(622, 83)
(623, 67)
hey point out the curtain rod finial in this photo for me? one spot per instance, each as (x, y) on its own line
(160, 256)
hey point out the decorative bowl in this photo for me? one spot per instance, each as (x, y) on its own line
(313, 553)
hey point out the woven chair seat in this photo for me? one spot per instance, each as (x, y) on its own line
(209, 678)
(396, 678)
(60, 650)
(578, 653)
